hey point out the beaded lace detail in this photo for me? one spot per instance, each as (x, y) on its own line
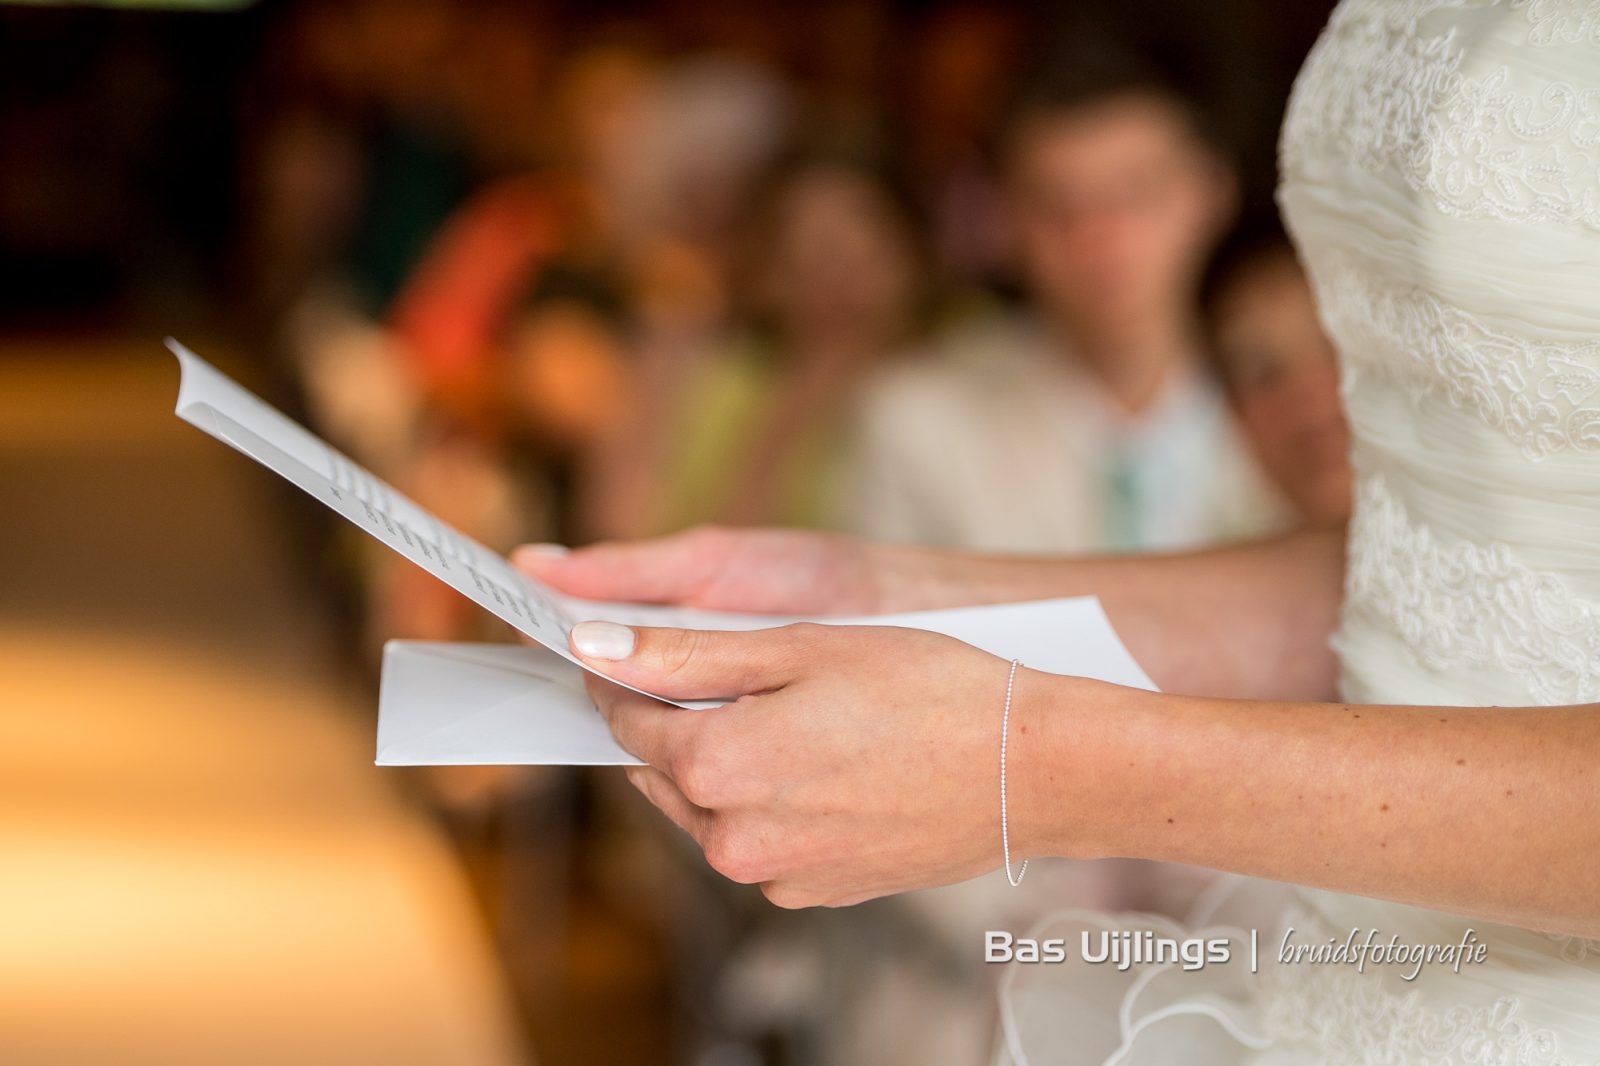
(1470, 605)
(1538, 393)
(1481, 146)
(1555, 22)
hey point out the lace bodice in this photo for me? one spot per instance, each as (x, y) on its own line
(1441, 176)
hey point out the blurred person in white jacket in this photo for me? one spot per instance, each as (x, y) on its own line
(1085, 420)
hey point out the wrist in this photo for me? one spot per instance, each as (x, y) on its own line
(914, 578)
(1073, 760)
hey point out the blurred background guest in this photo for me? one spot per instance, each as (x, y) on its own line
(1086, 418)
(829, 282)
(707, 128)
(1279, 368)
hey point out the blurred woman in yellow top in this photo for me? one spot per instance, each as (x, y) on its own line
(831, 282)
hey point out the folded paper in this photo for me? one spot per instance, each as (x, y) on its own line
(453, 704)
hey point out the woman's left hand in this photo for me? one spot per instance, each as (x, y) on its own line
(855, 761)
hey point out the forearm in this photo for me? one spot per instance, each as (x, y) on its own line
(1489, 812)
(1252, 620)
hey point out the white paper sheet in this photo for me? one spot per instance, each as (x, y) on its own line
(503, 704)
(213, 402)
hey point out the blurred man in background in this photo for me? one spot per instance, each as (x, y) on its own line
(1087, 419)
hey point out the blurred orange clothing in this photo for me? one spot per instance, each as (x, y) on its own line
(452, 313)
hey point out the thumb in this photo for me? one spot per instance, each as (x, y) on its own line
(684, 664)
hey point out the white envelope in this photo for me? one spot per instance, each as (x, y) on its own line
(487, 704)
(466, 704)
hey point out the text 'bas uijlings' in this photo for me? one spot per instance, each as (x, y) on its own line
(1121, 948)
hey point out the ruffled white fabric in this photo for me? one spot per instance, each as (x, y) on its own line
(1074, 1012)
(1532, 1001)
(1441, 176)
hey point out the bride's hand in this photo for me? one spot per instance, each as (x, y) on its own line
(772, 571)
(855, 761)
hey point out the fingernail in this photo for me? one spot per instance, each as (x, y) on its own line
(539, 551)
(602, 640)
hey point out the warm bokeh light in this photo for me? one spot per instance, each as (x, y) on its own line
(202, 865)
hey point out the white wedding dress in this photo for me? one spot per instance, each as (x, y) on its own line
(1441, 177)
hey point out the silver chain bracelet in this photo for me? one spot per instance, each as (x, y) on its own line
(1005, 828)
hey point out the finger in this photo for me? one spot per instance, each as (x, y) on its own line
(658, 788)
(664, 570)
(644, 727)
(697, 663)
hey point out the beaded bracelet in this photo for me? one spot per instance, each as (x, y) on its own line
(1005, 829)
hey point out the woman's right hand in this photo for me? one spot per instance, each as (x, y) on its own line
(767, 571)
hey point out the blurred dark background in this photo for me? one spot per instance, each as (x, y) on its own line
(129, 132)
